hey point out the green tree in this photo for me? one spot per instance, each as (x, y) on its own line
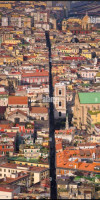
(18, 141)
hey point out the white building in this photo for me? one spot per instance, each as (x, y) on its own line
(7, 192)
(4, 21)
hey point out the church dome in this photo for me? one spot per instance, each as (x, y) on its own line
(86, 18)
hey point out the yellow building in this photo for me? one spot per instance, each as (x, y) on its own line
(12, 41)
(10, 48)
(74, 20)
(70, 87)
(7, 59)
(5, 5)
(19, 57)
(85, 50)
(45, 143)
(93, 117)
(27, 22)
(30, 163)
(87, 55)
(59, 70)
(70, 20)
(94, 138)
(17, 32)
(67, 50)
(64, 24)
(93, 43)
(3, 80)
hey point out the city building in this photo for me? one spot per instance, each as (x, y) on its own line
(60, 101)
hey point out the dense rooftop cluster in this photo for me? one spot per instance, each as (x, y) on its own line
(24, 99)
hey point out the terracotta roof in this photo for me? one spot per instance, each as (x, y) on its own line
(19, 111)
(44, 73)
(5, 126)
(58, 144)
(11, 134)
(73, 58)
(39, 110)
(14, 73)
(17, 100)
(6, 149)
(10, 165)
(4, 189)
(63, 131)
(3, 93)
(97, 126)
(11, 180)
(87, 144)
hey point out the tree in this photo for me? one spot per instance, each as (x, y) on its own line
(18, 141)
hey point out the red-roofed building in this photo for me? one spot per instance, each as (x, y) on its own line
(17, 114)
(17, 103)
(58, 145)
(36, 77)
(38, 173)
(8, 192)
(17, 100)
(6, 148)
(40, 113)
(74, 58)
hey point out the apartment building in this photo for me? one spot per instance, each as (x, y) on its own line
(93, 117)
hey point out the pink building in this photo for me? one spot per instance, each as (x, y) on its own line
(37, 77)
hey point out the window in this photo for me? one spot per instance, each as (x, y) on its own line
(59, 114)
(59, 103)
(7, 152)
(59, 170)
(59, 92)
(0, 169)
(4, 175)
(2, 147)
(4, 170)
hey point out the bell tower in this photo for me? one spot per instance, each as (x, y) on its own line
(60, 100)
(64, 24)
